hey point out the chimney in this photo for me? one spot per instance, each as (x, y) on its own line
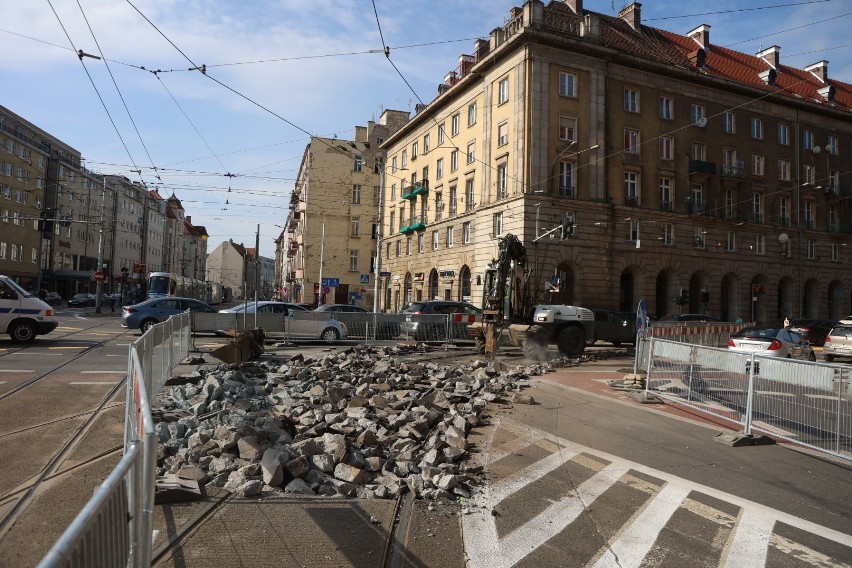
(701, 36)
(576, 6)
(631, 15)
(465, 64)
(819, 70)
(451, 78)
(771, 55)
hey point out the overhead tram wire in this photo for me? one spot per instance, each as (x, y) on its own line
(91, 80)
(736, 10)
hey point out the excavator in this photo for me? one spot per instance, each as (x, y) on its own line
(510, 318)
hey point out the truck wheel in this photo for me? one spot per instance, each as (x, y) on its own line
(571, 341)
(23, 332)
(480, 345)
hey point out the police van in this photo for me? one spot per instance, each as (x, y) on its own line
(23, 315)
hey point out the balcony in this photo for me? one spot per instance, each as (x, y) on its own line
(734, 172)
(665, 205)
(631, 201)
(417, 224)
(784, 221)
(840, 227)
(568, 192)
(810, 224)
(702, 167)
(419, 188)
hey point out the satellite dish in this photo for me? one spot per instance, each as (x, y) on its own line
(816, 150)
(783, 238)
(702, 122)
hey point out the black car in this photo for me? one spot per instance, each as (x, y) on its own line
(462, 314)
(614, 327)
(81, 301)
(53, 298)
(813, 330)
(358, 323)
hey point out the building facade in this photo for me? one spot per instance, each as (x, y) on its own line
(696, 177)
(332, 224)
(233, 265)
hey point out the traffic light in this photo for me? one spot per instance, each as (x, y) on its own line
(567, 228)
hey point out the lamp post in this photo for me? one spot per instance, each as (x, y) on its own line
(377, 264)
(99, 286)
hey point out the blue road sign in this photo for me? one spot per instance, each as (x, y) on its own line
(331, 282)
(365, 279)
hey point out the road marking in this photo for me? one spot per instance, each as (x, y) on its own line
(748, 545)
(91, 383)
(17, 370)
(28, 352)
(102, 372)
(71, 347)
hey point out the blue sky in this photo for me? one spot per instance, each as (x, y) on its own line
(306, 61)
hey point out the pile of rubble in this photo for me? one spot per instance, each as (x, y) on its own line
(357, 423)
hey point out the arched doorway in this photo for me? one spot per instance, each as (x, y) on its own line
(626, 295)
(810, 299)
(433, 285)
(464, 285)
(835, 300)
(561, 286)
(730, 299)
(786, 295)
(406, 291)
(699, 293)
(663, 292)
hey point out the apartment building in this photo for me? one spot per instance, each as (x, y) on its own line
(233, 265)
(333, 219)
(699, 178)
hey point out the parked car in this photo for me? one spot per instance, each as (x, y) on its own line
(327, 330)
(358, 323)
(838, 343)
(847, 320)
(146, 314)
(813, 330)
(463, 314)
(81, 301)
(689, 317)
(613, 327)
(53, 299)
(772, 342)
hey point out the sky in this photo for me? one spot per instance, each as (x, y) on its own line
(229, 143)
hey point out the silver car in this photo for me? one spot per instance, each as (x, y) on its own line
(771, 342)
(306, 327)
(838, 343)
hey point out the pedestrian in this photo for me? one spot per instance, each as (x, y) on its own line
(786, 323)
(112, 302)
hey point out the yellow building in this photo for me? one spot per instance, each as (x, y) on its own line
(697, 177)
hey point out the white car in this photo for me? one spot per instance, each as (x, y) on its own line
(307, 327)
(771, 342)
(847, 320)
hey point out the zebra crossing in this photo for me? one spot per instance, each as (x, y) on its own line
(552, 502)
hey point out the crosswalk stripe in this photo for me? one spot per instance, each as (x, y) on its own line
(748, 547)
(520, 479)
(17, 370)
(631, 547)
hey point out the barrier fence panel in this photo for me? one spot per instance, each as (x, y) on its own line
(803, 402)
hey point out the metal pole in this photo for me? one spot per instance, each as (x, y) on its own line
(99, 286)
(377, 268)
(256, 271)
(322, 251)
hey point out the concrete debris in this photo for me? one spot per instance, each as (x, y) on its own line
(356, 423)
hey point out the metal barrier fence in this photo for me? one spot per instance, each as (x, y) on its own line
(115, 526)
(802, 402)
(711, 334)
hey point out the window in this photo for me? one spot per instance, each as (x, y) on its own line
(502, 133)
(502, 181)
(471, 114)
(439, 168)
(408, 246)
(631, 141)
(454, 160)
(39, 183)
(434, 240)
(666, 108)
(503, 91)
(392, 223)
(398, 248)
(404, 158)
(566, 179)
(757, 168)
(471, 152)
(2, 250)
(808, 139)
(5, 215)
(835, 252)
(631, 100)
(668, 234)
(356, 194)
(784, 170)
(442, 133)
(567, 84)
(697, 196)
(18, 253)
(466, 233)
(699, 151)
(353, 261)
(699, 239)
(356, 226)
(455, 124)
(809, 214)
(756, 128)
(760, 244)
(633, 231)
(757, 207)
(831, 145)
(468, 195)
(784, 211)
(421, 243)
(831, 217)
(426, 141)
(453, 200)
(731, 241)
(34, 256)
(833, 182)
(393, 192)
(393, 165)
(377, 195)
(784, 134)
(414, 151)
(809, 174)
(631, 185)
(696, 113)
(497, 224)
(666, 193)
(729, 124)
(811, 249)
(666, 144)
(358, 163)
(450, 230)
(567, 128)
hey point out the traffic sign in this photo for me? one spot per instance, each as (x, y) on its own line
(365, 279)
(331, 282)
(99, 276)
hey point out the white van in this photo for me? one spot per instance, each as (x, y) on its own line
(23, 315)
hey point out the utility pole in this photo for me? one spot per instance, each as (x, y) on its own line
(322, 251)
(377, 266)
(99, 286)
